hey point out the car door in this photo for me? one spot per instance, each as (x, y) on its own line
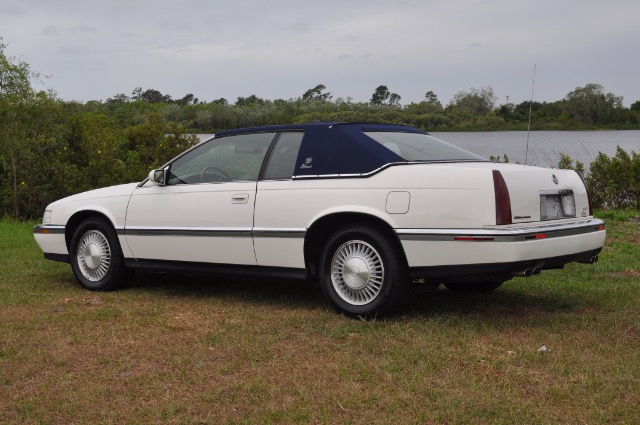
(279, 227)
(204, 212)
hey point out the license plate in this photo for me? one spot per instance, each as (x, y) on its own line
(556, 205)
(550, 207)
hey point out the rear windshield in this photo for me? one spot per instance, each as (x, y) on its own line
(421, 147)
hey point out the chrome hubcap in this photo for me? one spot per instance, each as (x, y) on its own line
(357, 272)
(94, 255)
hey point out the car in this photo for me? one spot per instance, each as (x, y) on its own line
(366, 210)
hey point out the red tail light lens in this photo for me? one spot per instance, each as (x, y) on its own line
(503, 202)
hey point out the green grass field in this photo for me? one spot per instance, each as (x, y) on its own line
(189, 350)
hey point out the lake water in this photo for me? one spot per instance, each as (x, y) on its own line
(545, 147)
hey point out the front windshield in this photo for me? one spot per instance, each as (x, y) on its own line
(421, 147)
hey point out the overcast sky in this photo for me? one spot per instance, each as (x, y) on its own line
(95, 49)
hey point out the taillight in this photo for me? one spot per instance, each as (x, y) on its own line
(503, 203)
(584, 182)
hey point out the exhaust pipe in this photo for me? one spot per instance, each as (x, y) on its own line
(523, 273)
(537, 271)
(590, 260)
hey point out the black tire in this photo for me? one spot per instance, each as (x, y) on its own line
(376, 282)
(96, 256)
(477, 287)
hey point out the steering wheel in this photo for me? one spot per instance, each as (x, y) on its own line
(216, 172)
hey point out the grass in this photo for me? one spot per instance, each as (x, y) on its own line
(175, 349)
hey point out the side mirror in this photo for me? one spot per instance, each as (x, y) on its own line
(158, 177)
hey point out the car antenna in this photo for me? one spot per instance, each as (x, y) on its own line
(526, 154)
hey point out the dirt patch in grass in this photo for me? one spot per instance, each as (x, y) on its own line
(626, 273)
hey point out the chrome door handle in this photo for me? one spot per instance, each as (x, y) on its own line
(240, 198)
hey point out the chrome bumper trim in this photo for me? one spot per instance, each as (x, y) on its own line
(51, 229)
(514, 234)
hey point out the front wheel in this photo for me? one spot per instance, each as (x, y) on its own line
(364, 272)
(96, 257)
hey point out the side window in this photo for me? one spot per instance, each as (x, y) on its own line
(283, 158)
(231, 158)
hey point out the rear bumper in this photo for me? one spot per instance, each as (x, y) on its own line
(448, 252)
(496, 270)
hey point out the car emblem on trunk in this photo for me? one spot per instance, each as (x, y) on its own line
(554, 178)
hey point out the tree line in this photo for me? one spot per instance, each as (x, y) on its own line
(51, 148)
(476, 109)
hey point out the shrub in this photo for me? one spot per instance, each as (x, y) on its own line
(615, 182)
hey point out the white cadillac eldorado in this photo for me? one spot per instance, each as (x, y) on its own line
(365, 209)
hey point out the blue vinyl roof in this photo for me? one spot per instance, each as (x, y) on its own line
(336, 148)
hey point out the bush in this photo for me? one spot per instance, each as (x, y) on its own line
(615, 182)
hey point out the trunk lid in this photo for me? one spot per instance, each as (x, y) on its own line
(541, 194)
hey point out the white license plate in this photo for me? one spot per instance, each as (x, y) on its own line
(550, 207)
(557, 205)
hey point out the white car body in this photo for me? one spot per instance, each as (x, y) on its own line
(442, 214)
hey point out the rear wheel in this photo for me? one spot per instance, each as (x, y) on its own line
(363, 272)
(96, 257)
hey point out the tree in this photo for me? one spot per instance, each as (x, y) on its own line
(431, 97)
(566, 163)
(119, 98)
(316, 94)
(382, 96)
(394, 99)
(188, 99)
(154, 96)
(615, 182)
(15, 78)
(426, 114)
(591, 105)
(250, 101)
(522, 109)
(19, 117)
(475, 102)
(156, 141)
(635, 106)
(506, 112)
(99, 147)
(136, 94)
(38, 168)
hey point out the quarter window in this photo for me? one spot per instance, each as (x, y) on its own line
(282, 162)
